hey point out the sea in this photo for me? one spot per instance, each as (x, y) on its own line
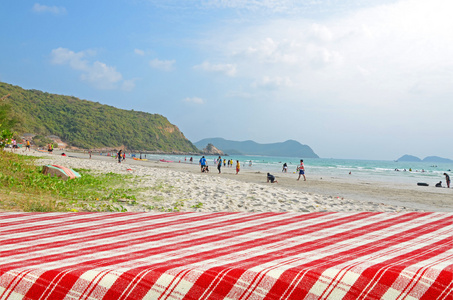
(368, 170)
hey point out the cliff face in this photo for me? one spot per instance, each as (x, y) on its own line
(212, 150)
(87, 124)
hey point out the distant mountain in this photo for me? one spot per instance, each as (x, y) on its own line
(409, 158)
(90, 125)
(431, 159)
(289, 148)
(437, 159)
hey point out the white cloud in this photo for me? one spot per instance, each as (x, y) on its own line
(38, 8)
(272, 82)
(194, 100)
(227, 69)
(164, 65)
(96, 73)
(139, 52)
(381, 52)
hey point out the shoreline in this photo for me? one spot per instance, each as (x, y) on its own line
(249, 191)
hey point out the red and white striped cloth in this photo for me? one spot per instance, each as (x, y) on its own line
(364, 255)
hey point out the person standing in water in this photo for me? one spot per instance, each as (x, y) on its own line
(301, 170)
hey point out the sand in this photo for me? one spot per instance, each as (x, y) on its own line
(162, 186)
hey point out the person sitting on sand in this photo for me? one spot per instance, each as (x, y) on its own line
(447, 179)
(271, 178)
(439, 184)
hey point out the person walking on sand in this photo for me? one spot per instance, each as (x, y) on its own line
(447, 179)
(219, 164)
(27, 145)
(301, 170)
(238, 167)
(285, 168)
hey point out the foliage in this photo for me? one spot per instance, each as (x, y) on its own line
(6, 123)
(24, 187)
(87, 124)
(42, 141)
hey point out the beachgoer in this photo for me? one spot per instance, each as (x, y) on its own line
(301, 170)
(219, 164)
(202, 163)
(120, 156)
(439, 184)
(285, 168)
(224, 162)
(90, 153)
(271, 178)
(238, 167)
(191, 159)
(250, 163)
(124, 156)
(447, 179)
(27, 145)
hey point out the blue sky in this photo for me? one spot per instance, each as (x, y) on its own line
(360, 79)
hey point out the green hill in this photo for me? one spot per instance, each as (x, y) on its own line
(87, 124)
(289, 148)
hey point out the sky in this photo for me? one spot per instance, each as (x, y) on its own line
(359, 79)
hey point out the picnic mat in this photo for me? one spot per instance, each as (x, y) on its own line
(366, 255)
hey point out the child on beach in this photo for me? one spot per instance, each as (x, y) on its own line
(238, 167)
(271, 178)
(301, 170)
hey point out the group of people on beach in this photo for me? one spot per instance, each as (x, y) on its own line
(270, 178)
(219, 162)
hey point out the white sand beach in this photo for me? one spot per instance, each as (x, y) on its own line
(166, 186)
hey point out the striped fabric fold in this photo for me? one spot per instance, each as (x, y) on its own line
(364, 255)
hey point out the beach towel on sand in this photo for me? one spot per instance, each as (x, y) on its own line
(60, 171)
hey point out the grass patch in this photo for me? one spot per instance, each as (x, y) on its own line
(23, 187)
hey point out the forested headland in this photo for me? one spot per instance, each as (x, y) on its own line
(91, 125)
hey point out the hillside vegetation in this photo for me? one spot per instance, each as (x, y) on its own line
(89, 125)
